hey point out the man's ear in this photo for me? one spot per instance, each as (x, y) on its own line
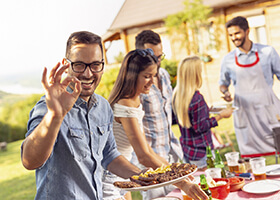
(247, 32)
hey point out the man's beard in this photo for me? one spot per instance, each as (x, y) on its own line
(242, 43)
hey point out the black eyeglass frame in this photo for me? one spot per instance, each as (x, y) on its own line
(86, 65)
(161, 57)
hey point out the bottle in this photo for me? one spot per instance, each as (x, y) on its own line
(219, 163)
(204, 186)
(210, 160)
(248, 165)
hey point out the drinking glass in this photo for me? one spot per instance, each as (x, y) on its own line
(232, 161)
(258, 168)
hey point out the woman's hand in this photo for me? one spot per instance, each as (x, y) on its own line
(227, 112)
(192, 190)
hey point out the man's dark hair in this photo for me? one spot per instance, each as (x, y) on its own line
(238, 21)
(146, 36)
(82, 37)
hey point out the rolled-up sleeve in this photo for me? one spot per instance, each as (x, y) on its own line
(224, 73)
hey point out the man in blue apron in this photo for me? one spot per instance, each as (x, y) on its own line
(250, 67)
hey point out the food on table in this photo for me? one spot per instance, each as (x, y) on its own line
(233, 180)
(159, 175)
(211, 183)
(236, 183)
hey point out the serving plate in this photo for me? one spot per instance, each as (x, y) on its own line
(218, 109)
(144, 188)
(262, 186)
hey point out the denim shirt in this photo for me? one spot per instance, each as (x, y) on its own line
(269, 59)
(85, 143)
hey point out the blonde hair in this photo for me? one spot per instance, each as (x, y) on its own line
(189, 80)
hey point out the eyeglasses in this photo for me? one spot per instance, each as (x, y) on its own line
(80, 67)
(161, 57)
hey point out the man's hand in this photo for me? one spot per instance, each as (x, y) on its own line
(227, 96)
(58, 100)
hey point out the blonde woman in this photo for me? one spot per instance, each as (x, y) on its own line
(193, 113)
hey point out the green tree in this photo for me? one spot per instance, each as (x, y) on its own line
(119, 57)
(171, 68)
(14, 117)
(107, 82)
(189, 23)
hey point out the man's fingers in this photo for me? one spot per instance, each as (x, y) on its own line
(58, 74)
(44, 79)
(52, 73)
(78, 87)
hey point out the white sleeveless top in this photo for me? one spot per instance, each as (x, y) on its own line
(122, 141)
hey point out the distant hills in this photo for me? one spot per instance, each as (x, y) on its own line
(8, 98)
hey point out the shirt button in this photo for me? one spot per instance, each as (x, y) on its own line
(91, 132)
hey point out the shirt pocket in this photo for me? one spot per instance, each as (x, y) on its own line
(102, 136)
(78, 143)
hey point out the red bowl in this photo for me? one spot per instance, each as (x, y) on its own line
(222, 191)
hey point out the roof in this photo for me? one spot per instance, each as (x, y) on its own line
(139, 12)
(135, 13)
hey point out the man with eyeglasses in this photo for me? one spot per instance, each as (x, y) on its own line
(69, 136)
(157, 121)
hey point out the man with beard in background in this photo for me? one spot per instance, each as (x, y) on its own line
(250, 67)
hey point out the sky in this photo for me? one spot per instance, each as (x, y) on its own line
(34, 32)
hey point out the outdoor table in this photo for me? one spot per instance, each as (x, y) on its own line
(238, 194)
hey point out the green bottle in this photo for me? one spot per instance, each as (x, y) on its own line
(204, 186)
(219, 163)
(210, 160)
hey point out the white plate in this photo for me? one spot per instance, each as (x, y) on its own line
(217, 109)
(143, 188)
(273, 170)
(262, 187)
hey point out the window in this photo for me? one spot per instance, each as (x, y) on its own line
(257, 29)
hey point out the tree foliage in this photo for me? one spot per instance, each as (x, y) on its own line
(14, 117)
(189, 22)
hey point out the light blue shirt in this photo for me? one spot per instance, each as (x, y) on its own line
(157, 120)
(85, 144)
(269, 60)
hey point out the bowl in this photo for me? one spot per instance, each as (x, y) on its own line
(236, 183)
(221, 191)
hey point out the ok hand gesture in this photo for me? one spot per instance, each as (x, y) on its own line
(59, 101)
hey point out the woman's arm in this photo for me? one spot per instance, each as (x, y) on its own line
(137, 139)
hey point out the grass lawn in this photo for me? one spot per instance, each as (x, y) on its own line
(17, 183)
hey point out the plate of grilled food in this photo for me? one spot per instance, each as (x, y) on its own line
(162, 176)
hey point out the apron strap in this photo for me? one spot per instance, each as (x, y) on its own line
(248, 65)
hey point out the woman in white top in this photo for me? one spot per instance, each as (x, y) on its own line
(137, 75)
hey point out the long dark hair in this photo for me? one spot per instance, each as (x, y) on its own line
(134, 62)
